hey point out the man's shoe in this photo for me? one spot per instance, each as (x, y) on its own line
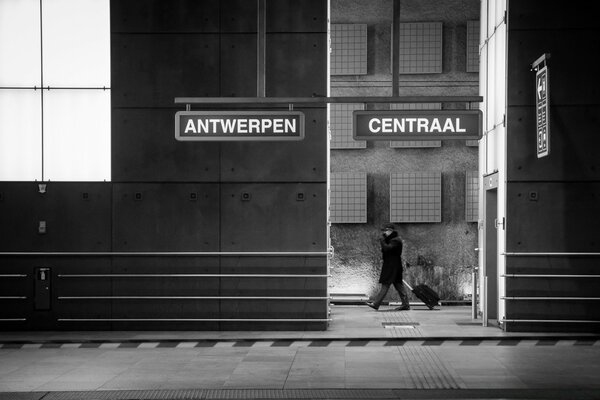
(402, 308)
(372, 305)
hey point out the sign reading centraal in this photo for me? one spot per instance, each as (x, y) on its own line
(417, 125)
(239, 125)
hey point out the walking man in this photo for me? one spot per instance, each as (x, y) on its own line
(391, 270)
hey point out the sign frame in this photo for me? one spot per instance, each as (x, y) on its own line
(422, 114)
(542, 111)
(240, 137)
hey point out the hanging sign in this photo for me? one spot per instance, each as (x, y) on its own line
(417, 125)
(239, 125)
(542, 107)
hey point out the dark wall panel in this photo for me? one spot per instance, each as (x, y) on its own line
(524, 47)
(77, 216)
(553, 217)
(573, 145)
(165, 276)
(553, 309)
(144, 149)
(238, 65)
(166, 217)
(296, 16)
(304, 160)
(553, 287)
(552, 265)
(164, 16)
(68, 290)
(296, 65)
(273, 217)
(18, 285)
(528, 15)
(238, 16)
(150, 70)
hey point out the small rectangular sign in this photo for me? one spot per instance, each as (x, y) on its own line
(542, 112)
(239, 125)
(417, 125)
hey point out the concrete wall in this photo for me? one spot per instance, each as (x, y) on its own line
(451, 242)
(552, 202)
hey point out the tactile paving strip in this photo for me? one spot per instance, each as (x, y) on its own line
(427, 370)
(402, 337)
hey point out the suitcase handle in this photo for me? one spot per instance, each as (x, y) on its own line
(407, 285)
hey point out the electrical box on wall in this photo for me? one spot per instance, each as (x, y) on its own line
(42, 289)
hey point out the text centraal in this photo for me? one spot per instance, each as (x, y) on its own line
(418, 125)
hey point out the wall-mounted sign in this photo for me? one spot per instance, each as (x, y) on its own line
(417, 125)
(542, 112)
(239, 125)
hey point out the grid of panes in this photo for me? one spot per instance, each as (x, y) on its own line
(348, 200)
(471, 196)
(415, 143)
(472, 46)
(55, 90)
(348, 49)
(416, 197)
(420, 48)
(341, 126)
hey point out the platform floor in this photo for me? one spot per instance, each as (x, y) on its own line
(421, 354)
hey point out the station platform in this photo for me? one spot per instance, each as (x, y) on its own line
(385, 354)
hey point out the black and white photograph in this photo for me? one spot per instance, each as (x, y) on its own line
(299, 199)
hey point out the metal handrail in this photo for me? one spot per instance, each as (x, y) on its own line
(13, 297)
(537, 254)
(169, 253)
(190, 298)
(327, 100)
(190, 276)
(549, 298)
(13, 275)
(551, 320)
(12, 319)
(547, 276)
(194, 319)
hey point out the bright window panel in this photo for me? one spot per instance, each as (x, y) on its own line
(420, 48)
(20, 55)
(76, 43)
(348, 49)
(348, 200)
(341, 126)
(416, 197)
(77, 135)
(472, 46)
(20, 135)
(471, 196)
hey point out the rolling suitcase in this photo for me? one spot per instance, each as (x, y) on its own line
(426, 294)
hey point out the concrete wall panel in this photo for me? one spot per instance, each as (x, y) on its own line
(296, 16)
(144, 149)
(273, 217)
(296, 65)
(238, 65)
(573, 144)
(165, 217)
(280, 161)
(150, 70)
(553, 217)
(76, 215)
(164, 16)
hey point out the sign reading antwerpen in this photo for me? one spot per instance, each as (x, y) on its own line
(239, 125)
(417, 125)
